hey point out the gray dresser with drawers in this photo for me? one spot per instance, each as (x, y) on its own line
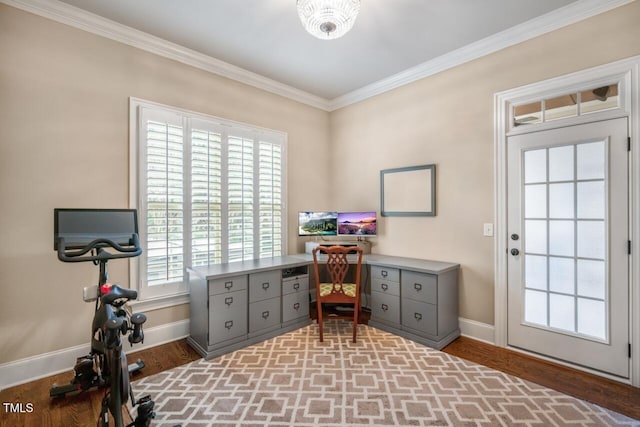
(237, 304)
(416, 299)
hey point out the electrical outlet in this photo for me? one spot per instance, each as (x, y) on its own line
(90, 293)
(488, 230)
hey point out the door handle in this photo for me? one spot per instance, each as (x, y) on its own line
(515, 252)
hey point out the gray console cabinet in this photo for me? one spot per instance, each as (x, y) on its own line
(415, 299)
(238, 304)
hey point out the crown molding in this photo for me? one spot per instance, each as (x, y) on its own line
(551, 21)
(86, 21)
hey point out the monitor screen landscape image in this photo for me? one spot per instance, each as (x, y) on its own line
(357, 223)
(317, 223)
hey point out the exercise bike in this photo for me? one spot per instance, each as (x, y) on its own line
(100, 235)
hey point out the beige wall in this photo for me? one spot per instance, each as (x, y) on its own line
(64, 143)
(64, 105)
(447, 119)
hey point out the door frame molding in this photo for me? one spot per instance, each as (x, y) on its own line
(626, 72)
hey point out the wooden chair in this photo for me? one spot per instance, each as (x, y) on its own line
(337, 292)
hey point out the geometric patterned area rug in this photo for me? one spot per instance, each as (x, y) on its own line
(382, 380)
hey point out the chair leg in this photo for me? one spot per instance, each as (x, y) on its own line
(319, 309)
(356, 311)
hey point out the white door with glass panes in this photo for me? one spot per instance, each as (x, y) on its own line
(568, 235)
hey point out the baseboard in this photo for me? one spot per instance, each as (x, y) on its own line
(477, 330)
(47, 364)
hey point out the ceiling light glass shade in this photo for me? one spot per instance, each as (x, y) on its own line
(328, 19)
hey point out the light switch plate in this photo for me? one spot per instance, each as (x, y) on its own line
(488, 230)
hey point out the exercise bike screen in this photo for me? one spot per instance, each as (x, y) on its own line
(79, 227)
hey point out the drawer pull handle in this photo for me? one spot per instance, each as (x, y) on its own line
(228, 300)
(417, 287)
(384, 286)
(296, 286)
(228, 285)
(418, 316)
(296, 306)
(265, 285)
(265, 314)
(385, 307)
(228, 324)
(383, 273)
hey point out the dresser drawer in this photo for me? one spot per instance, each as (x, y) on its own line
(385, 307)
(229, 284)
(419, 286)
(385, 286)
(294, 306)
(264, 314)
(385, 273)
(295, 285)
(264, 285)
(421, 317)
(227, 316)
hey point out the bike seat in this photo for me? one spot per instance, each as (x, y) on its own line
(116, 293)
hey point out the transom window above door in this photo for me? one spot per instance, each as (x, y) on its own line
(568, 105)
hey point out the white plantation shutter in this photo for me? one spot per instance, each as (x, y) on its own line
(240, 193)
(209, 191)
(163, 199)
(270, 199)
(206, 197)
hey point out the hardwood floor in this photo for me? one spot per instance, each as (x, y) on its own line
(82, 409)
(609, 394)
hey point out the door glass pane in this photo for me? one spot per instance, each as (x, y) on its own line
(590, 159)
(535, 307)
(535, 201)
(591, 200)
(535, 166)
(591, 239)
(561, 312)
(561, 275)
(561, 200)
(561, 238)
(561, 163)
(536, 236)
(562, 286)
(591, 278)
(591, 318)
(535, 268)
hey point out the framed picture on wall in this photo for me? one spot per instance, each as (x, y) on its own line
(408, 191)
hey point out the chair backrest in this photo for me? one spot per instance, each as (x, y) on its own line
(337, 266)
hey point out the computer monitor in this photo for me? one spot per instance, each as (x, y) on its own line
(357, 224)
(317, 223)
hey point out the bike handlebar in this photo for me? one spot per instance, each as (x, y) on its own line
(77, 255)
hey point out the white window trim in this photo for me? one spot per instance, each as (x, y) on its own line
(625, 72)
(155, 300)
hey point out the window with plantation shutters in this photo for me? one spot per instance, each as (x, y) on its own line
(209, 191)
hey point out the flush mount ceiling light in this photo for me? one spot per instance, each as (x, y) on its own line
(328, 19)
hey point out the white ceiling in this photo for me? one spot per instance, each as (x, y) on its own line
(266, 38)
